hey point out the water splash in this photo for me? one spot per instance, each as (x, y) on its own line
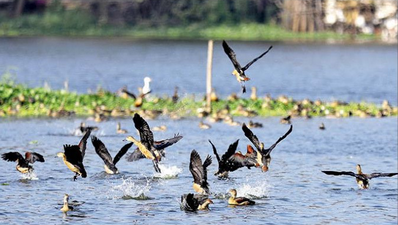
(29, 176)
(132, 190)
(254, 190)
(168, 172)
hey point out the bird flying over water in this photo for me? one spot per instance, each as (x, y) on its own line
(361, 178)
(199, 172)
(239, 72)
(146, 144)
(231, 161)
(73, 156)
(23, 163)
(102, 151)
(262, 155)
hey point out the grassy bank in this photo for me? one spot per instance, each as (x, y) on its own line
(20, 101)
(57, 22)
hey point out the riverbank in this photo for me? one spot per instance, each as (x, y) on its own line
(19, 101)
(76, 23)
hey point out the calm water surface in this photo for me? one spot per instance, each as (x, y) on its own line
(294, 191)
(317, 71)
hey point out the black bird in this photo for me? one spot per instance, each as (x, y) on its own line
(361, 178)
(199, 172)
(239, 72)
(102, 151)
(231, 161)
(73, 156)
(192, 203)
(146, 144)
(23, 163)
(159, 145)
(263, 156)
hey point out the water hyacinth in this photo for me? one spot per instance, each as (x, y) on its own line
(21, 101)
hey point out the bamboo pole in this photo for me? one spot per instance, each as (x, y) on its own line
(208, 75)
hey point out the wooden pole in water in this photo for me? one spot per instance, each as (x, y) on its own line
(208, 75)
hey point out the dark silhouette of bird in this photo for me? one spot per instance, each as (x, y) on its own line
(103, 153)
(73, 156)
(159, 145)
(286, 120)
(192, 203)
(239, 72)
(23, 163)
(262, 155)
(199, 172)
(361, 178)
(231, 161)
(146, 144)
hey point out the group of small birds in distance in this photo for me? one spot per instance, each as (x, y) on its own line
(147, 147)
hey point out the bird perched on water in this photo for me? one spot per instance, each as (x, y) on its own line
(175, 97)
(23, 163)
(233, 200)
(361, 178)
(73, 156)
(146, 144)
(119, 129)
(192, 203)
(204, 126)
(262, 155)
(65, 208)
(286, 120)
(239, 72)
(199, 172)
(231, 161)
(102, 151)
(322, 126)
(159, 145)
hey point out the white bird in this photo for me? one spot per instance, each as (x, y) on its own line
(146, 89)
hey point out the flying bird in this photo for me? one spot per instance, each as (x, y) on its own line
(192, 203)
(239, 72)
(23, 163)
(361, 178)
(262, 155)
(199, 172)
(231, 161)
(146, 144)
(159, 145)
(73, 156)
(102, 151)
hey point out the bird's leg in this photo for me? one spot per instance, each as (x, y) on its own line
(75, 177)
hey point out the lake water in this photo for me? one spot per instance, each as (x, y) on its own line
(359, 72)
(294, 191)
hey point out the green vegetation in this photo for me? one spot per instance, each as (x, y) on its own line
(20, 101)
(56, 21)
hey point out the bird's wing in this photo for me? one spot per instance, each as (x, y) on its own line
(231, 150)
(146, 134)
(253, 138)
(254, 60)
(338, 173)
(101, 150)
(268, 151)
(206, 163)
(189, 203)
(215, 152)
(240, 160)
(159, 145)
(135, 155)
(12, 156)
(83, 143)
(73, 154)
(232, 56)
(373, 175)
(32, 157)
(196, 167)
(121, 153)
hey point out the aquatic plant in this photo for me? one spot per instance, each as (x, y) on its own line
(21, 101)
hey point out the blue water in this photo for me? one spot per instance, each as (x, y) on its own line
(294, 191)
(359, 72)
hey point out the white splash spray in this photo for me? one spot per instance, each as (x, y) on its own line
(29, 176)
(168, 172)
(257, 189)
(131, 189)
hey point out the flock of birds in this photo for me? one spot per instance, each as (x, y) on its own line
(147, 147)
